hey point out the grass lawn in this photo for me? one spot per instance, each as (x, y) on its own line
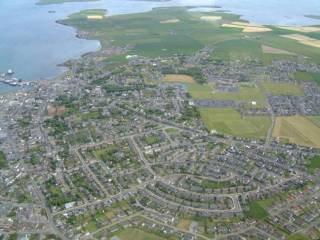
(297, 129)
(198, 91)
(256, 211)
(305, 76)
(246, 93)
(314, 164)
(3, 160)
(150, 140)
(282, 88)
(297, 236)
(230, 122)
(137, 234)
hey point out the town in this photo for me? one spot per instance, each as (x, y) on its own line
(170, 147)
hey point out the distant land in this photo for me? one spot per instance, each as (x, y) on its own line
(313, 16)
(46, 2)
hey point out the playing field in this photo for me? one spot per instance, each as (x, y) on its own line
(178, 78)
(297, 129)
(282, 88)
(230, 122)
(198, 91)
(246, 94)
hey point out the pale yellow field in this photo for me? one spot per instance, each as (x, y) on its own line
(302, 29)
(178, 78)
(170, 21)
(184, 224)
(298, 130)
(94, 17)
(304, 40)
(247, 27)
(271, 50)
(211, 18)
(256, 29)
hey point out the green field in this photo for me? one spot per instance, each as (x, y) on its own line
(3, 160)
(230, 122)
(151, 37)
(305, 76)
(297, 236)
(198, 91)
(282, 88)
(315, 120)
(246, 94)
(314, 164)
(256, 211)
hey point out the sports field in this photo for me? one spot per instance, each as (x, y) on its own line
(230, 122)
(282, 88)
(297, 129)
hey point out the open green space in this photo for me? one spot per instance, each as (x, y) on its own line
(297, 236)
(314, 164)
(256, 211)
(3, 160)
(306, 76)
(315, 120)
(230, 122)
(246, 94)
(198, 91)
(282, 88)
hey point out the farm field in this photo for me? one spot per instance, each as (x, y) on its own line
(178, 78)
(230, 122)
(297, 129)
(315, 120)
(175, 30)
